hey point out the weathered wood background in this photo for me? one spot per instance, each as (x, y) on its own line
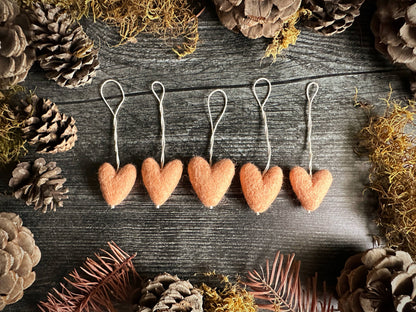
(182, 236)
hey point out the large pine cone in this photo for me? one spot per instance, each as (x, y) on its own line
(394, 28)
(16, 57)
(46, 126)
(18, 256)
(332, 16)
(39, 184)
(64, 50)
(167, 293)
(254, 18)
(377, 280)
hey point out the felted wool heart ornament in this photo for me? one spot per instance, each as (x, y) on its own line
(161, 182)
(116, 185)
(260, 190)
(310, 190)
(210, 182)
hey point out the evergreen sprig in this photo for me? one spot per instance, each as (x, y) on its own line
(97, 285)
(278, 288)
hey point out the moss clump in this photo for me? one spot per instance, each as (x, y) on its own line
(391, 142)
(11, 134)
(231, 298)
(287, 36)
(172, 20)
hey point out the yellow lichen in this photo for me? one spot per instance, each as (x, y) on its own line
(230, 298)
(172, 20)
(391, 142)
(287, 36)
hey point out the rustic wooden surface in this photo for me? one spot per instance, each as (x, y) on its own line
(182, 236)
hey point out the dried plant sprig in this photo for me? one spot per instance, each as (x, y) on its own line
(97, 285)
(231, 297)
(287, 36)
(278, 288)
(391, 144)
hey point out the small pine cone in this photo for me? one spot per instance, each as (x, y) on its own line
(16, 57)
(46, 126)
(18, 255)
(167, 293)
(64, 50)
(330, 17)
(255, 19)
(369, 281)
(39, 184)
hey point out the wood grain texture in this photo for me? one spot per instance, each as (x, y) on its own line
(182, 236)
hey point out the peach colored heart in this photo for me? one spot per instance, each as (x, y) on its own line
(115, 186)
(259, 190)
(210, 183)
(310, 190)
(160, 183)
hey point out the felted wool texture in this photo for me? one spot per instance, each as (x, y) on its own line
(310, 191)
(115, 186)
(160, 183)
(259, 190)
(210, 183)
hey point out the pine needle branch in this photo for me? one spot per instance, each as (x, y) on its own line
(278, 288)
(96, 285)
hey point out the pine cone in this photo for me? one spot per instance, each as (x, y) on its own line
(393, 26)
(373, 281)
(64, 50)
(18, 256)
(167, 293)
(46, 126)
(255, 19)
(330, 17)
(39, 184)
(16, 57)
(403, 289)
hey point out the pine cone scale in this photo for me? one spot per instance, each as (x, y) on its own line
(13, 42)
(13, 249)
(252, 8)
(7, 282)
(6, 262)
(8, 226)
(3, 238)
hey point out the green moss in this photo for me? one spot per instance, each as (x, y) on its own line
(12, 143)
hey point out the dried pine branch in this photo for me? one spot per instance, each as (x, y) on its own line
(97, 285)
(279, 288)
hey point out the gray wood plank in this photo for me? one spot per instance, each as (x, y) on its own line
(182, 236)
